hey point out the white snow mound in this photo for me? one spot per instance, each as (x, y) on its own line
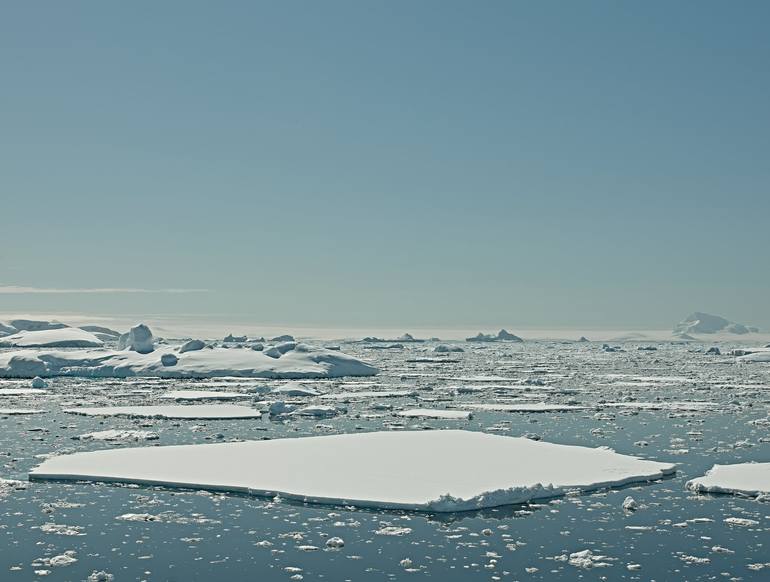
(448, 470)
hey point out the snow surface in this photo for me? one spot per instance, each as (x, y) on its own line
(302, 362)
(66, 337)
(448, 470)
(752, 479)
(198, 411)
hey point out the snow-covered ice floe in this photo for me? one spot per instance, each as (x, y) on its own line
(302, 361)
(370, 394)
(693, 406)
(524, 407)
(197, 411)
(203, 395)
(435, 413)
(19, 411)
(750, 479)
(66, 337)
(448, 470)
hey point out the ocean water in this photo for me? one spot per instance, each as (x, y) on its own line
(149, 533)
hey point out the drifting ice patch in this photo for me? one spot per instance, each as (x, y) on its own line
(202, 395)
(198, 411)
(751, 479)
(534, 407)
(449, 470)
(436, 413)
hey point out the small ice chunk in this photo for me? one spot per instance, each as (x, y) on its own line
(630, 504)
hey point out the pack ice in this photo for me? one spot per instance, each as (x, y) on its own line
(439, 471)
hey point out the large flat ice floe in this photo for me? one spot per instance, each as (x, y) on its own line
(441, 471)
(301, 361)
(66, 337)
(196, 411)
(750, 479)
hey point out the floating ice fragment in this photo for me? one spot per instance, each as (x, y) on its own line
(751, 479)
(449, 470)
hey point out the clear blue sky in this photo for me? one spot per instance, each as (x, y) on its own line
(372, 162)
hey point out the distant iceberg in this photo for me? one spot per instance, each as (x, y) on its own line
(697, 323)
(502, 336)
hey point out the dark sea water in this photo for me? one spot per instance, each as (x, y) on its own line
(197, 535)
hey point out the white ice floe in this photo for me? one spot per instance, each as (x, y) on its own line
(751, 479)
(20, 391)
(448, 470)
(524, 407)
(663, 405)
(446, 348)
(202, 395)
(65, 337)
(436, 413)
(198, 411)
(19, 411)
(301, 362)
(369, 394)
(760, 355)
(294, 389)
(119, 435)
(316, 410)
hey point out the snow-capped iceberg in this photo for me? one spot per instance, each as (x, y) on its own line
(301, 361)
(698, 322)
(448, 470)
(502, 336)
(63, 337)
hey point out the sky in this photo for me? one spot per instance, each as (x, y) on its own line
(362, 163)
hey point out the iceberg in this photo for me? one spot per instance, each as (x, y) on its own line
(192, 346)
(502, 335)
(750, 479)
(138, 339)
(448, 470)
(698, 322)
(33, 325)
(297, 362)
(65, 337)
(445, 348)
